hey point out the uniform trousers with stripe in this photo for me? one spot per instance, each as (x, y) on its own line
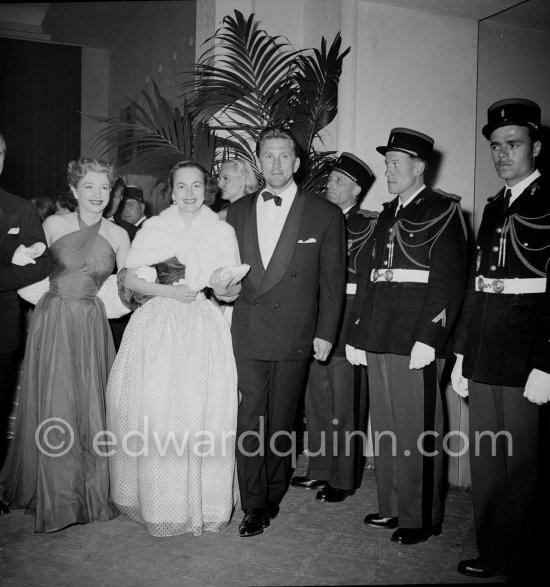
(505, 474)
(335, 406)
(407, 422)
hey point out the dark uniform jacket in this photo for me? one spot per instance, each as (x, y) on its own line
(428, 234)
(359, 231)
(19, 225)
(280, 310)
(504, 336)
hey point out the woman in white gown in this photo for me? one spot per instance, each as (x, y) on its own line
(172, 391)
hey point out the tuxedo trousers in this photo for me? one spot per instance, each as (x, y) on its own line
(505, 465)
(407, 423)
(266, 442)
(335, 407)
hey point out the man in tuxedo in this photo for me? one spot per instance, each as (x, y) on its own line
(503, 352)
(288, 310)
(403, 319)
(19, 228)
(336, 393)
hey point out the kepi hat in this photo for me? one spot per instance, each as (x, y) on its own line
(355, 169)
(512, 111)
(409, 141)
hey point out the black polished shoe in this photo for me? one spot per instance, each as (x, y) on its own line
(4, 509)
(376, 521)
(333, 494)
(471, 569)
(254, 522)
(309, 483)
(273, 510)
(415, 535)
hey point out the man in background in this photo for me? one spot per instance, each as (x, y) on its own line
(20, 231)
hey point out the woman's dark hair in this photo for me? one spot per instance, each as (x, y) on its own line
(66, 200)
(77, 169)
(210, 184)
(117, 185)
(44, 205)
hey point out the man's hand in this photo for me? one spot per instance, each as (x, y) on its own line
(421, 355)
(321, 349)
(537, 388)
(356, 356)
(459, 384)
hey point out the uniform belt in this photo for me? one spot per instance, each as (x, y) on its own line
(517, 285)
(400, 275)
(351, 289)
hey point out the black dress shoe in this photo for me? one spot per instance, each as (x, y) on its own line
(376, 521)
(254, 522)
(309, 483)
(4, 509)
(415, 535)
(470, 568)
(333, 494)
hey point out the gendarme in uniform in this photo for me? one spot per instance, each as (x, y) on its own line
(503, 345)
(403, 318)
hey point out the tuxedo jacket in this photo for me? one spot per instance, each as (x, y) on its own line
(502, 336)
(299, 296)
(428, 234)
(19, 225)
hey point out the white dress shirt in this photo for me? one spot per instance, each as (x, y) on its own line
(271, 219)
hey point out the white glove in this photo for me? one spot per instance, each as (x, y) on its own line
(459, 384)
(421, 355)
(26, 255)
(148, 274)
(537, 388)
(356, 356)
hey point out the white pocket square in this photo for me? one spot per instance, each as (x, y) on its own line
(307, 242)
(13, 230)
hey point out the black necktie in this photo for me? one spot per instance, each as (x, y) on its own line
(507, 196)
(269, 196)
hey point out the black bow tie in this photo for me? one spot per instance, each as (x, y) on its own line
(269, 196)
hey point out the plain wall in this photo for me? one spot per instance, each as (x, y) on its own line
(95, 97)
(156, 44)
(513, 63)
(417, 70)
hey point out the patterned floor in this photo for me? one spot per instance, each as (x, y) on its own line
(309, 543)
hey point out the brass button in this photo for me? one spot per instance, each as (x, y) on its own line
(499, 230)
(493, 268)
(495, 249)
(385, 262)
(293, 275)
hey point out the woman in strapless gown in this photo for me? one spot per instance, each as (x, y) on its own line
(172, 392)
(56, 470)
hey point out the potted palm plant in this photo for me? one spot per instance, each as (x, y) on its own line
(244, 81)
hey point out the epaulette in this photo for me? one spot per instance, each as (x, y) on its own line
(447, 195)
(367, 213)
